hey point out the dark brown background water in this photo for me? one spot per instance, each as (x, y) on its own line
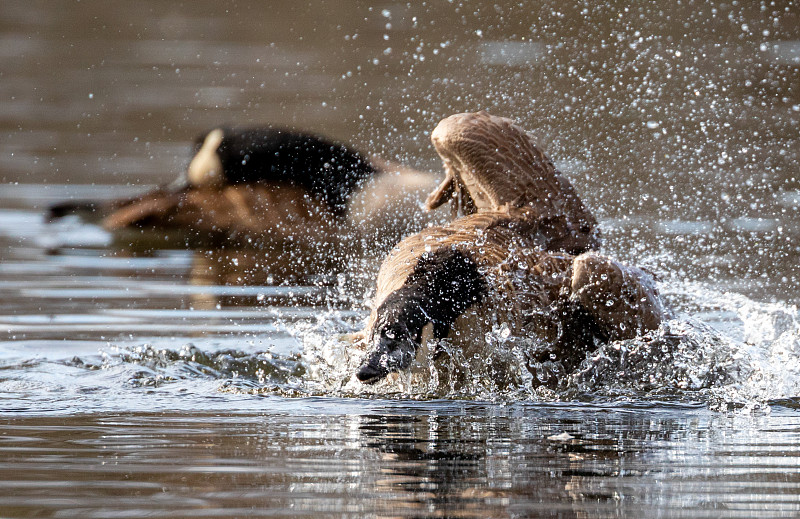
(679, 125)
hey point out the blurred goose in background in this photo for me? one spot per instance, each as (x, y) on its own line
(519, 262)
(263, 183)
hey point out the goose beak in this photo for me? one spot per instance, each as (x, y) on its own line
(388, 356)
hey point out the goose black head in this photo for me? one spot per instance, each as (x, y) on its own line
(328, 170)
(396, 335)
(441, 287)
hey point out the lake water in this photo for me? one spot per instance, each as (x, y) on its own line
(142, 378)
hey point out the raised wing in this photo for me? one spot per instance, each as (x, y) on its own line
(493, 165)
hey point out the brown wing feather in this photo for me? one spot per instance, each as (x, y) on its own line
(492, 165)
(281, 211)
(489, 237)
(149, 205)
(623, 300)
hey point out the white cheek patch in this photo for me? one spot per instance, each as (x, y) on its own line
(205, 169)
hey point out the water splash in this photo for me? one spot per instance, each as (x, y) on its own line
(747, 361)
(723, 349)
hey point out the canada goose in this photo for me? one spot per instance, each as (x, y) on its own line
(521, 257)
(279, 184)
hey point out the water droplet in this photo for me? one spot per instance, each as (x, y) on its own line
(504, 331)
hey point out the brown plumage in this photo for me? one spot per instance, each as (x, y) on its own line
(509, 262)
(229, 212)
(491, 164)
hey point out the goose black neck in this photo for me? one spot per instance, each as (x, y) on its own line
(441, 287)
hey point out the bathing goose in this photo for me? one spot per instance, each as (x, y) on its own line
(520, 262)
